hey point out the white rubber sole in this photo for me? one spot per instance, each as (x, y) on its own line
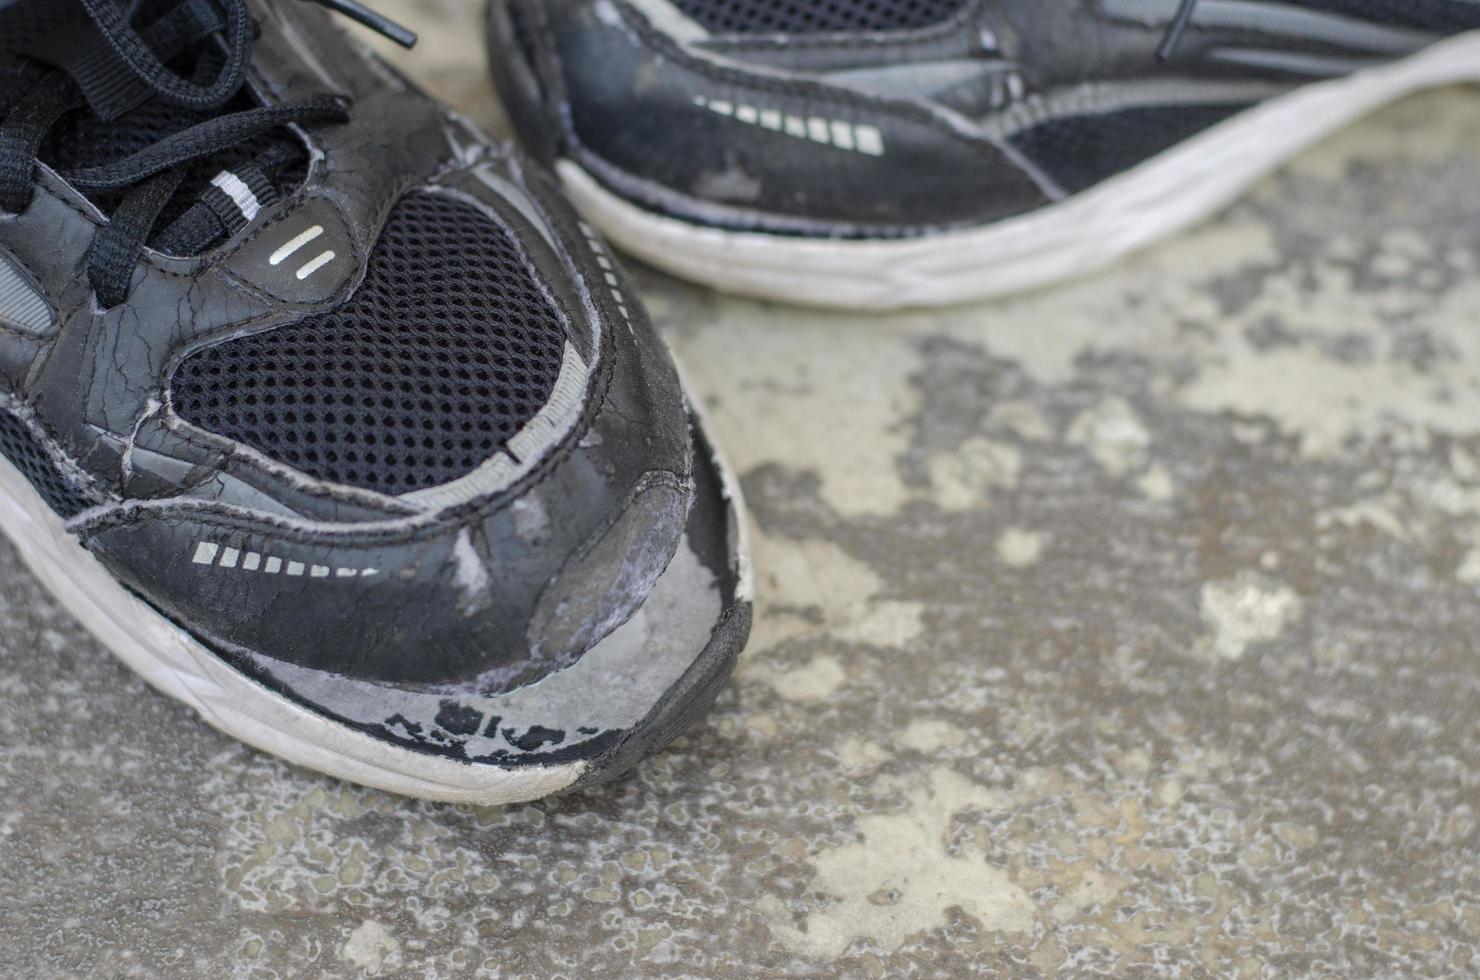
(1079, 235)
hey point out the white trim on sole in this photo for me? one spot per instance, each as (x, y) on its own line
(179, 666)
(1079, 235)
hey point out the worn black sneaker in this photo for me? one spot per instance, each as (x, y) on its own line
(884, 153)
(329, 418)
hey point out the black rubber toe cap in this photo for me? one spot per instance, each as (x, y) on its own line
(633, 692)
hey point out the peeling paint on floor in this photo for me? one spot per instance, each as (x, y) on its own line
(1115, 629)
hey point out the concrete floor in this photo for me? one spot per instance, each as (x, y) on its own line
(1124, 628)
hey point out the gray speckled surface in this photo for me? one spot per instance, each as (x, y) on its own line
(1127, 627)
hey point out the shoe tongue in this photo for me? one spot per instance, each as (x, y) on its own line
(84, 139)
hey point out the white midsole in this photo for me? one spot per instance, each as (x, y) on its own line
(1081, 234)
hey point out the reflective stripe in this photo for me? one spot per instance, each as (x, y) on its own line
(20, 304)
(295, 244)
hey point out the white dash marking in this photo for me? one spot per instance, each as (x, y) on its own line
(319, 261)
(295, 244)
(869, 140)
(842, 135)
(210, 554)
(838, 133)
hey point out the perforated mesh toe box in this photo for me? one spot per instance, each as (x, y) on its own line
(817, 16)
(443, 354)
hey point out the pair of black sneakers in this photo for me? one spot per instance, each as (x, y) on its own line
(334, 420)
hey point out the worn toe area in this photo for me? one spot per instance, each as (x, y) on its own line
(634, 691)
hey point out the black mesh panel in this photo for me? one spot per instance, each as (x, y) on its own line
(1080, 151)
(814, 16)
(443, 354)
(1443, 16)
(26, 453)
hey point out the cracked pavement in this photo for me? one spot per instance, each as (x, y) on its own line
(1125, 627)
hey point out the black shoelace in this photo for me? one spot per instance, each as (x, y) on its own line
(1173, 37)
(121, 68)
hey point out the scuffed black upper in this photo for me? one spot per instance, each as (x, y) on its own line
(453, 451)
(893, 117)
